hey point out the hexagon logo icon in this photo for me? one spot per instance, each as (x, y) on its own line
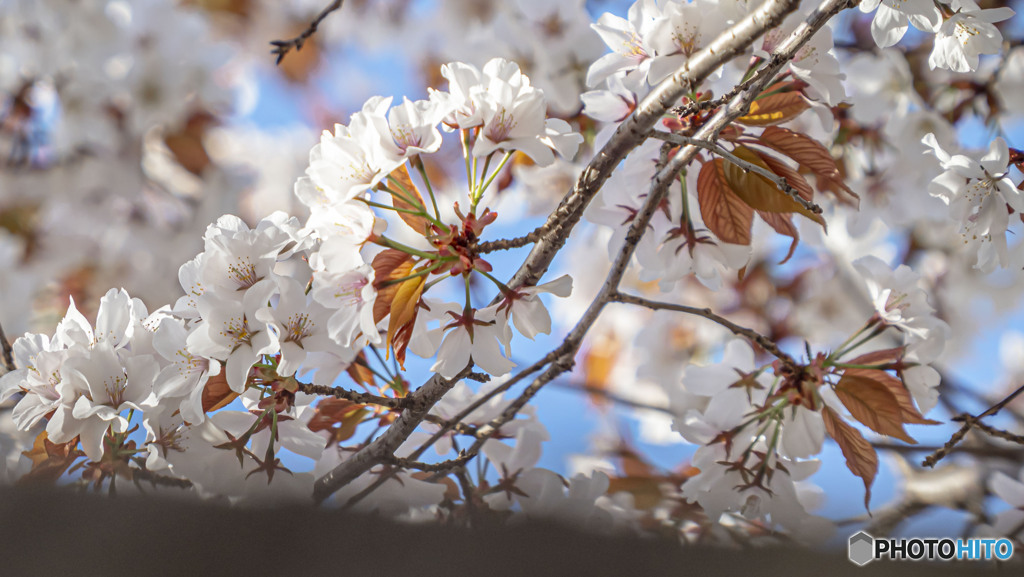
(862, 548)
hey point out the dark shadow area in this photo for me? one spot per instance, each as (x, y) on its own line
(51, 534)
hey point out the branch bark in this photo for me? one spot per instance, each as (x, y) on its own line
(282, 47)
(739, 106)
(552, 235)
(750, 334)
(384, 446)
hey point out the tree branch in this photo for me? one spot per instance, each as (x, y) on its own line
(969, 423)
(739, 106)
(553, 234)
(354, 396)
(507, 244)
(384, 446)
(282, 47)
(751, 335)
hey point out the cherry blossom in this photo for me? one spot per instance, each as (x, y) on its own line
(893, 17)
(967, 34)
(978, 192)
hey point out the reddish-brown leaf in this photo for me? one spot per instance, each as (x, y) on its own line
(388, 265)
(187, 145)
(340, 417)
(908, 411)
(404, 307)
(360, 372)
(217, 394)
(759, 192)
(793, 178)
(774, 109)
(873, 404)
(881, 357)
(809, 154)
(646, 491)
(49, 460)
(860, 456)
(723, 212)
(406, 188)
(783, 224)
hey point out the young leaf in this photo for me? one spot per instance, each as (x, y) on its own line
(809, 154)
(908, 411)
(881, 357)
(783, 224)
(360, 372)
(860, 456)
(404, 307)
(406, 188)
(871, 403)
(793, 178)
(388, 265)
(217, 394)
(338, 416)
(759, 192)
(724, 213)
(774, 109)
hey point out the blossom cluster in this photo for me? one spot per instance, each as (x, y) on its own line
(289, 339)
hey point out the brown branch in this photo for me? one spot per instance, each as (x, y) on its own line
(507, 244)
(384, 446)
(999, 433)
(771, 13)
(1009, 453)
(455, 423)
(553, 234)
(970, 422)
(751, 335)
(8, 353)
(354, 396)
(143, 474)
(458, 427)
(282, 47)
(442, 467)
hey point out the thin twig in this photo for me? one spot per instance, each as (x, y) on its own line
(419, 403)
(553, 234)
(999, 433)
(969, 423)
(768, 15)
(750, 334)
(1010, 453)
(354, 396)
(507, 244)
(716, 148)
(282, 47)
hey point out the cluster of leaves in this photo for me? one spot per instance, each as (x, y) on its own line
(729, 195)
